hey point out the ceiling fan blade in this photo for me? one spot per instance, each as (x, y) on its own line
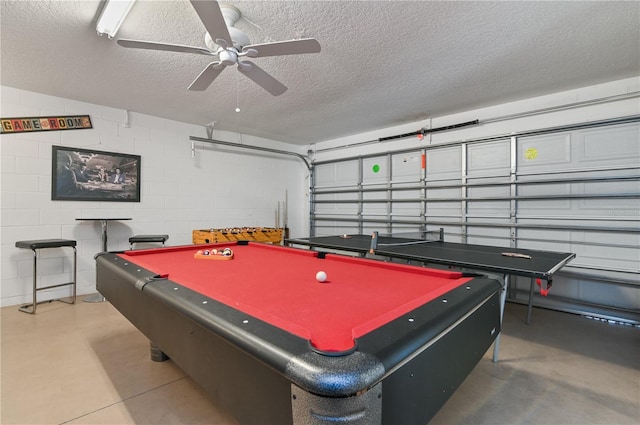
(207, 76)
(150, 45)
(260, 77)
(291, 47)
(212, 19)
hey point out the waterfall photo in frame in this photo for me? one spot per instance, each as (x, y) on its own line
(91, 175)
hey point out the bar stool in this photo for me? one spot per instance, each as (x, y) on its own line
(147, 239)
(35, 245)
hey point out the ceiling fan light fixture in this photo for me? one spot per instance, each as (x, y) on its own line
(113, 15)
(227, 57)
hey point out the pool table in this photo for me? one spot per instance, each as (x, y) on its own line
(375, 343)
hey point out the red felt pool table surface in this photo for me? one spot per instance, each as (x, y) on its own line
(278, 285)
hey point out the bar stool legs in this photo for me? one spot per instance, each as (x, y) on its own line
(41, 244)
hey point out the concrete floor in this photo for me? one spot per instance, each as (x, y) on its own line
(85, 364)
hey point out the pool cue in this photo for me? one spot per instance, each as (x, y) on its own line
(285, 213)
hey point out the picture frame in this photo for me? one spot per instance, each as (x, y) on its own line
(93, 175)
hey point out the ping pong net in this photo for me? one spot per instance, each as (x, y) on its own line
(390, 240)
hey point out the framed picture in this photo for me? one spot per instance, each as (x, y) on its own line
(90, 175)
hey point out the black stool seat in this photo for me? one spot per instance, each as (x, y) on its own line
(45, 243)
(34, 246)
(148, 238)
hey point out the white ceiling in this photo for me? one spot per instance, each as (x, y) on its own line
(383, 63)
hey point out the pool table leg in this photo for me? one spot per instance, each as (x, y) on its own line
(361, 409)
(156, 354)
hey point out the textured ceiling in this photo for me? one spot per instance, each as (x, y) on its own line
(383, 63)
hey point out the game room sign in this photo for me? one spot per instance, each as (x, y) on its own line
(31, 124)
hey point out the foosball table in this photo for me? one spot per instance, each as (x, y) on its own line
(229, 234)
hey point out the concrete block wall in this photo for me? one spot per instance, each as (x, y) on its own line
(216, 187)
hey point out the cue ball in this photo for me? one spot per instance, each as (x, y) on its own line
(321, 276)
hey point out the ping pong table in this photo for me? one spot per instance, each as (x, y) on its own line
(500, 262)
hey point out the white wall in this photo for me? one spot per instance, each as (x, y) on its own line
(219, 187)
(327, 150)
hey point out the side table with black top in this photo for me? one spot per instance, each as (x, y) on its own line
(104, 221)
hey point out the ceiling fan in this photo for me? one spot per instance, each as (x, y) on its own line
(230, 46)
